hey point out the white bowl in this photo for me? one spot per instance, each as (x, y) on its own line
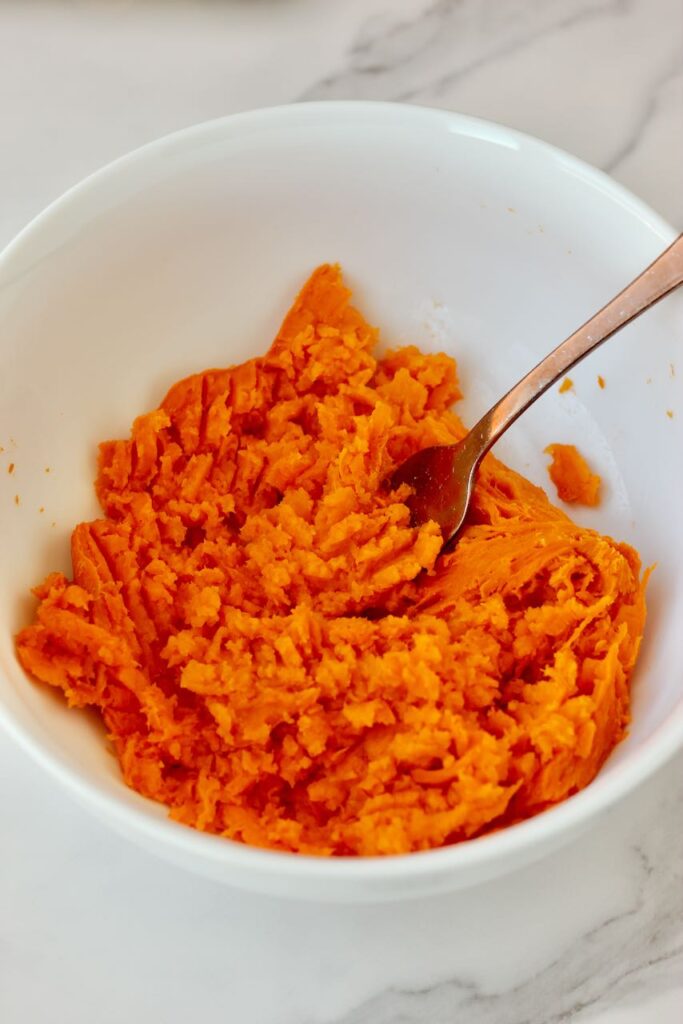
(454, 233)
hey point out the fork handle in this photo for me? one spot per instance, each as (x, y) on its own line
(660, 278)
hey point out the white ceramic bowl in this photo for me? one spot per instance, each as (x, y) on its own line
(454, 233)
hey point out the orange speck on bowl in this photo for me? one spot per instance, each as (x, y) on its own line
(566, 385)
(601, 381)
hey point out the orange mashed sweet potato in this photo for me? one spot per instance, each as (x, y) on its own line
(574, 481)
(279, 657)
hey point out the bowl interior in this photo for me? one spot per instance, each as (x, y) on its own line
(453, 234)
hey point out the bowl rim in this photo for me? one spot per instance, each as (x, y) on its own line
(479, 852)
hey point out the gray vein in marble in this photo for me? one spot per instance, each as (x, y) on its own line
(648, 110)
(383, 58)
(627, 957)
(506, 49)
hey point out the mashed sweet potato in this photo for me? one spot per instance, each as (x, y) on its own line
(280, 658)
(573, 478)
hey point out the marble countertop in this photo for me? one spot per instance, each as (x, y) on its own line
(93, 929)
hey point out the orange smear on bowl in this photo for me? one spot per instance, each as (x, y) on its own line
(575, 482)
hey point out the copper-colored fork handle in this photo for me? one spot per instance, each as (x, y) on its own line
(660, 278)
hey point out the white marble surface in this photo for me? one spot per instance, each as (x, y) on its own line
(91, 929)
